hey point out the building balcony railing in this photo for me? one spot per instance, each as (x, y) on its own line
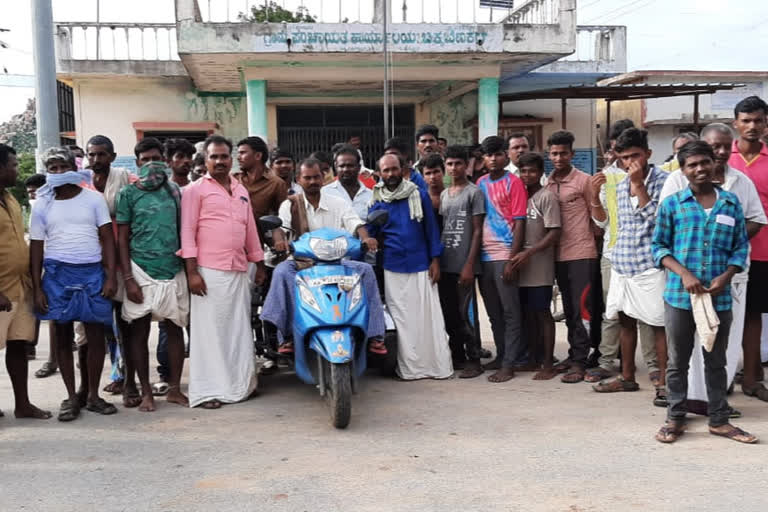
(364, 11)
(599, 49)
(116, 41)
(535, 12)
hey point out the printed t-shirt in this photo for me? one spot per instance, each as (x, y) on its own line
(505, 204)
(153, 217)
(458, 212)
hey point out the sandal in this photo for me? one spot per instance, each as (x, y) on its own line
(101, 406)
(574, 376)
(758, 391)
(285, 348)
(733, 413)
(660, 400)
(160, 388)
(211, 404)
(46, 370)
(736, 434)
(68, 411)
(670, 432)
(655, 378)
(2, 414)
(114, 388)
(598, 374)
(377, 347)
(131, 399)
(563, 366)
(616, 385)
(471, 370)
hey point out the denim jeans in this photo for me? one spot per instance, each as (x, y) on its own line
(502, 302)
(681, 328)
(459, 306)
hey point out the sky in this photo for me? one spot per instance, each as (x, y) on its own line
(661, 34)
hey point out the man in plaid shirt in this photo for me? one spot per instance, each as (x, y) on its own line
(637, 284)
(701, 238)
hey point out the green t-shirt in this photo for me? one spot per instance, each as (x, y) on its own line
(154, 229)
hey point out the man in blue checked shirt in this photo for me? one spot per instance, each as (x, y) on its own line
(701, 238)
(637, 284)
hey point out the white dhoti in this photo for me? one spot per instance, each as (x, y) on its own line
(221, 358)
(640, 296)
(164, 299)
(697, 386)
(422, 347)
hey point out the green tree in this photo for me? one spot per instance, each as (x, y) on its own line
(274, 13)
(26, 169)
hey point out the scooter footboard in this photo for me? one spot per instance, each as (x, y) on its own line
(335, 344)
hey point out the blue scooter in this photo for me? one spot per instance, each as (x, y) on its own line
(330, 315)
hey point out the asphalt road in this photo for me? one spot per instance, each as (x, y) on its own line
(421, 446)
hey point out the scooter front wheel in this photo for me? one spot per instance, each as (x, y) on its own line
(339, 393)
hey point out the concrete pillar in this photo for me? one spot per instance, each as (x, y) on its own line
(47, 105)
(487, 108)
(256, 94)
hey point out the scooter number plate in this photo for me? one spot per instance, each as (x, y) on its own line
(344, 282)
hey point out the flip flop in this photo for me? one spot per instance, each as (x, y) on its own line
(670, 432)
(160, 388)
(114, 388)
(131, 399)
(736, 434)
(573, 376)
(598, 374)
(616, 385)
(211, 404)
(46, 370)
(377, 347)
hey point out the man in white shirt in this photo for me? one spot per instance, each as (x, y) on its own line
(348, 187)
(518, 145)
(300, 214)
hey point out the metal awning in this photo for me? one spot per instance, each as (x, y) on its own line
(622, 92)
(616, 92)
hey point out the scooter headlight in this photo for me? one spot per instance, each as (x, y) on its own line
(307, 297)
(329, 250)
(355, 295)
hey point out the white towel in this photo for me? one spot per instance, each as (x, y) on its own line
(706, 319)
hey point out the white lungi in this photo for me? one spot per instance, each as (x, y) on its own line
(163, 298)
(640, 296)
(697, 386)
(422, 347)
(221, 356)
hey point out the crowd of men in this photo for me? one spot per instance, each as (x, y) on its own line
(674, 252)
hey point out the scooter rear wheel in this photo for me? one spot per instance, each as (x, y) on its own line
(340, 394)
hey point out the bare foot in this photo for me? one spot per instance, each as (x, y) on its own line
(546, 374)
(503, 375)
(30, 411)
(175, 396)
(147, 403)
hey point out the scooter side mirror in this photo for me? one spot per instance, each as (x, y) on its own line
(269, 222)
(377, 218)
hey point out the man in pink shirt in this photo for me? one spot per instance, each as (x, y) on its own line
(218, 240)
(750, 156)
(576, 266)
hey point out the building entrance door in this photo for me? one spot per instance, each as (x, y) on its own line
(303, 130)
